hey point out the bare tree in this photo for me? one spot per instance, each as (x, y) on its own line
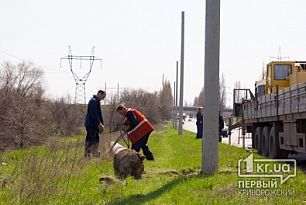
(66, 118)
(199, 101)
(165, 101)
(23, 118)
(195, 101)
(222, 88)
(110, 115)
(144, 101)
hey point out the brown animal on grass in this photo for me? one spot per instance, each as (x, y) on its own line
(127, 162)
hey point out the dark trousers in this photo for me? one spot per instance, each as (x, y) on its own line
(142, 144)
(199, 130)
(92, 138)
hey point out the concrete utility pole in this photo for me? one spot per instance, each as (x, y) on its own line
(180, 130)
(176, 94)
(211, 88)
(173, 109)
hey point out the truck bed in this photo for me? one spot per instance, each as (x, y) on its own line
(288, 103)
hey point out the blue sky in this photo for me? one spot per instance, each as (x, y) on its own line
(139, 40)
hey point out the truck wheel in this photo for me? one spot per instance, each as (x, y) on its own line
(265, 141)
(274, 150)
(258, 139)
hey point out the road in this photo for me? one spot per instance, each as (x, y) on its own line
(236, 136)
(236, 140)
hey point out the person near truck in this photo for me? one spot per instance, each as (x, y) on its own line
(199, 123)
(221, 126)
(94, 124)
(139, 129)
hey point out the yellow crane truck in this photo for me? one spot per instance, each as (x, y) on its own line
(276, 113)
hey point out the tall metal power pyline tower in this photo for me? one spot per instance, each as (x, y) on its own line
(80, 79)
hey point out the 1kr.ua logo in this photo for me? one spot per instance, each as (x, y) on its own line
(267, 168)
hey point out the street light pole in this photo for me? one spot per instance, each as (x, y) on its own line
(173, 109)
(180, 129)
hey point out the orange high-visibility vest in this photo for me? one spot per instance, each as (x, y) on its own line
(142, 128)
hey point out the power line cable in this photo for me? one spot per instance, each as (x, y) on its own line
(49, 71)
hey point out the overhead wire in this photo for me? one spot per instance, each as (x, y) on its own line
(50, 71)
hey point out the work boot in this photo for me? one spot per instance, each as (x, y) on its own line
(149, 156)
(96, 154)
(147, 153)
(87, 153)
(95, 150)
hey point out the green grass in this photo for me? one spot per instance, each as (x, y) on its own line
(77, 179)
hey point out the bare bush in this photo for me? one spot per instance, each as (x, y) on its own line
(45, 174)
(111, 118)
(48, 175)
(66, 118)
(146, 102)
(23, 117)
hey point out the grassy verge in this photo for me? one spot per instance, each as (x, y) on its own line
(58, 174)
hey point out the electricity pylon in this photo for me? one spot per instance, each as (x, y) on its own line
(80, 79)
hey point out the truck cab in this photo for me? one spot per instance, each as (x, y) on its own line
(283, 74)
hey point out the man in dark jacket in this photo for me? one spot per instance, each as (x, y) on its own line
(199, 123)
(221, 126)
(94, 124)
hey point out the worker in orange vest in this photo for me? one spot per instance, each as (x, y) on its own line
(139, 129)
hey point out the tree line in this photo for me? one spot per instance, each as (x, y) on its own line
(199, 100)
(28, 117)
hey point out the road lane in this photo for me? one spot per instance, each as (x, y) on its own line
(236, 137)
